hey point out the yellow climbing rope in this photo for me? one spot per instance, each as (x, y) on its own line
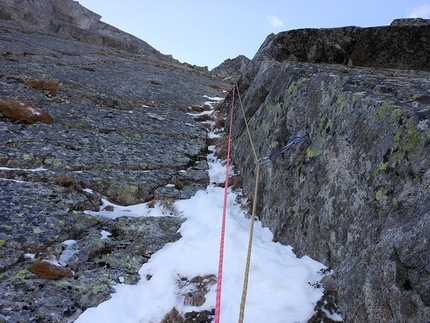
(254, 206)
(294, 141)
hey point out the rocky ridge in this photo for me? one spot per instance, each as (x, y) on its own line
(88, 112)
(402, 45)
(354, 194)
(69, 20)
(231, 69)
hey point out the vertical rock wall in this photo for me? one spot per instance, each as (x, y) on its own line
(356, 194)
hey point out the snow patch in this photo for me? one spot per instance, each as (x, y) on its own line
(282, 287)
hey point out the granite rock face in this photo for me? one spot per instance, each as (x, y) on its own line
(402, 45)
(355, 193)
(231, 68)
(87, 113)
(119, 125)
(68, 19)
(43, 222)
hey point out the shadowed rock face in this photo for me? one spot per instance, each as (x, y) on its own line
(402, 45)
(87, 112)
(355, 195)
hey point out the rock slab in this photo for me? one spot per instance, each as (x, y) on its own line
(87, 113)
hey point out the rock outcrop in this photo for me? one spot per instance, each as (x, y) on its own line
(355, 193)
(87, 112)
(231, 69)
(402, 45)
(68, 19)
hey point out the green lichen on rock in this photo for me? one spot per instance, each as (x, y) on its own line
(383, 166)
(413, 138)
(63, 283)
(395, 114)
(20, 275)
(321, 138)
(341, 102)
(313, 153)
(37, 230)
(27, 156)
(128, 190)
(379, 194)
(54, 162)
(363, 175)
(328, 126)
(382, 110)
(102, 286)
(357, 96)
(293, 89)
(121, 262)
(406, 142)
(407, 139)
(273, 109)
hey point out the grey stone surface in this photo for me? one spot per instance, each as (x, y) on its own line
(355, 194)
(231, 69)
(121, 130)
(68, 19)
(402, 45)
(37, 219)
(118, 127)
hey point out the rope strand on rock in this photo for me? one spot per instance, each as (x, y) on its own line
(246, 124)
(295, 140)
(248, 255)
(251, 228)
(221, 252)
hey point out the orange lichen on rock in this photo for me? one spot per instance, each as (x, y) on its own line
(44, 85)
(23, 111)
(46, 270)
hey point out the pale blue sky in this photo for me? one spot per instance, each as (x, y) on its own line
(206, 32)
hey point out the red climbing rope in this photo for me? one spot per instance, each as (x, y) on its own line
(224, 213)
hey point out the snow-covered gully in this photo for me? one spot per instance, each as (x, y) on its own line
(282, 288)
